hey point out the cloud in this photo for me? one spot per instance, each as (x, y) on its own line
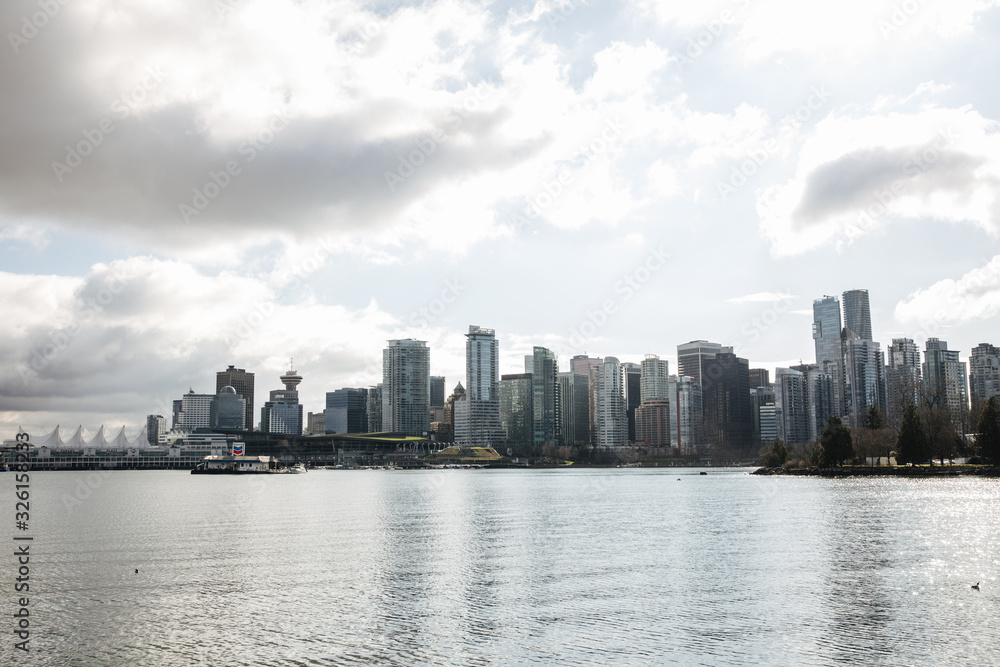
(973, 297)
(857, 175)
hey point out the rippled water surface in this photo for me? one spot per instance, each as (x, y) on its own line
(477, 567)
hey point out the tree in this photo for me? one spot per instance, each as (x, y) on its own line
(836, 442)
(774, 455)
(911, 443)
(873, 439)
(988, 431)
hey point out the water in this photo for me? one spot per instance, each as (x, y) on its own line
(490, 567)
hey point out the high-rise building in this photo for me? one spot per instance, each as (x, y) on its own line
(282, 414)
(156, 426)
(685, 415)
(228, 410)
(759, 377)
(477, 418)
(581, 363)
(725, 387)
(316, 422)
(791, 406)
(902, 378)
(654, 380)
(347, 411)
(864, 378)
(652, 423)
(632, 390)
(612, 421)
(819, 398)
(406, 387)
(984, 373)
(516, 408)
(946, 381)
(574, 394)
(447, 430)
(826, 332)
(857, 313)
(374, 407)
(546, 403)
(242, 382)
(763, 412)
(196, 411)
(177, 409)
(691, 358)
(437, 398)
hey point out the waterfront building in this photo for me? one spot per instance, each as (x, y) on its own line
(984, 373)
(685, 415)
(228, 410)
(857, 313)
(654, 382)
(242, 381)
(791, 408)
(827, 337)
(652, 423)
(612, 421)
(763, 412)
(759, 377)
(632, 390)
(517, 408)
(196, 411)
(546, 403)
(946, 381)
(282, 414)
(477, 417)
(574, 393)
(156, 426)
(374, 407)
(902, 378)
(406, 387)
(347, 411)
(725, 388)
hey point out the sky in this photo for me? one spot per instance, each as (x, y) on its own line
(192, 184)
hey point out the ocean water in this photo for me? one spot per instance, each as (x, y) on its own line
(497, 567)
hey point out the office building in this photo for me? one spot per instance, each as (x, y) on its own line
(347, 411)
(691, 358)
(725, 388)
(517, 408)
(406, 387)
(791, 406)
(282, 414)
(196, 411)
(654, 382)
(546, 403)
(763, 412)
(685, 415)
(759, 377)
(316, 423)
(612, 420)
(581, 363)
(228, 410)
(156, 426)
(632, 390)
(574, 394)
(242, 382)
(374, 407)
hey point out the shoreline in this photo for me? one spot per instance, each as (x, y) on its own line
(885, 471)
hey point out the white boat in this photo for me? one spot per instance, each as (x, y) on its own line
(298, 469)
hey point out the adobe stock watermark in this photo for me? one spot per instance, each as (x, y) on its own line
(435, 308)
(248, 150)
(428, 144)
(707, 36)
(920, 163)
(94, 137)
(899, 16)
(60, 339)
(33, 24)
(557, 186)
(761, 323)
(742, 173)
(626, 288)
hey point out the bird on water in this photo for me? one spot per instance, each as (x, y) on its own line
(976, 585)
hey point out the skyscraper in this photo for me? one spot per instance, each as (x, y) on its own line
(984, 373)
(282, 414)
(652, 423)
(437, 398)
(725, 388)
(864, 379)
(406, 387)
(196, 410)
(228, 410)
(242, 382)
(902, 378)
(156, 426)
(632, 390)
(347, 411)
(759, 377)
(826, 331)
(612, 421)
(857, 313)
(374, 407)
(574, 395)
(477, 418)
(516, 408)
(654, 379)
(946, 381)
(691, 358)
(762, 406)
(791, 408)
(685, 415)
(547, 414)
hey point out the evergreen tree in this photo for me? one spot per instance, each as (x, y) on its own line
(774, 455)
(874, 419)
(837, 443)
(988, 431)
(911, 443)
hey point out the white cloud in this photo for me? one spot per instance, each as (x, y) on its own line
(973, 297)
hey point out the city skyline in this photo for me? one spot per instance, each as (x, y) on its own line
(340, 175)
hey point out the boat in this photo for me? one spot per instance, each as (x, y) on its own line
(238, 464)
(298, 469)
